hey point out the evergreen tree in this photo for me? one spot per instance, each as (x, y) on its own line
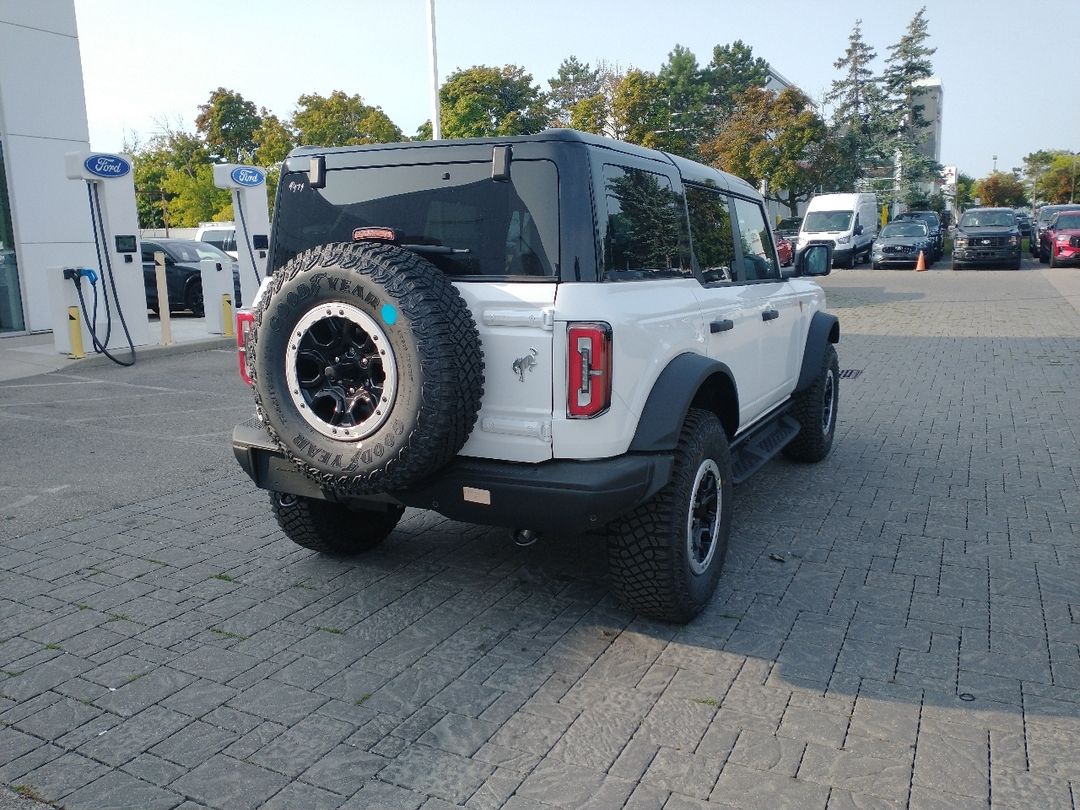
(856, 126)
(683, 87)
(575, 83)
(732, 71)
(907, 65)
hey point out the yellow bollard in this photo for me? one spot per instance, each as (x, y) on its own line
(227, 316)
(75, 334)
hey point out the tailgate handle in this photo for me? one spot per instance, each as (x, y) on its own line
(769, 315)
(721, 326)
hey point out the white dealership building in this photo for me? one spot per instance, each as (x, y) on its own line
(44, 217)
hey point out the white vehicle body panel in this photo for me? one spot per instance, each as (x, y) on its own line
(515, 321)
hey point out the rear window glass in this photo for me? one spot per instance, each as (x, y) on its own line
(486, 228)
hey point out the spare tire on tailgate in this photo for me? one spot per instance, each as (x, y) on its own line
(367, 366)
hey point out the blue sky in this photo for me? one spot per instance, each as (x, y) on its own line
(146, 62)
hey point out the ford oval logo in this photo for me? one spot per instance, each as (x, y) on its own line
(107, 165)
(246, 176)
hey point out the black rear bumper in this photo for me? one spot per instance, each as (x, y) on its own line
(552, 495)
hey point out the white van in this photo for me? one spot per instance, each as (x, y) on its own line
(849, 222)
(221, 235)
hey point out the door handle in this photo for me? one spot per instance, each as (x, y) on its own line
(721, 326)
(769, 315)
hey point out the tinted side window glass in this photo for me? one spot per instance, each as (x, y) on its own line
(710, 233)
(645, 232)
(759, 256)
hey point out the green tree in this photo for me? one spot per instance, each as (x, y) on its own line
(227, 122)
(856, 123)
(965, 192)
(484, 101)
(1060, 183)
(779, 139)
(683, 87)
(732, 71)
(907, 65)
(574, 83)
(639, 109)
(1001, 189)
(341, 120)
(174, 182)
(1035, 166)
(273, 140)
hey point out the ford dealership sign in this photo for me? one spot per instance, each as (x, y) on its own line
(107, 165)
(247, 176)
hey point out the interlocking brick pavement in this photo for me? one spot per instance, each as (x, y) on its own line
(898, 626)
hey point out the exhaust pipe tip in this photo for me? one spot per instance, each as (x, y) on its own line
(523, 538)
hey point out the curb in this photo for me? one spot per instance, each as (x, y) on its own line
(150, 352)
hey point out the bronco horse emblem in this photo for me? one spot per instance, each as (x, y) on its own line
(526, 363)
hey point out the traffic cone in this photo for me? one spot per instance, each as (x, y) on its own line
(920, 265)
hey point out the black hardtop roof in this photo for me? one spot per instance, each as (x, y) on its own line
(690, 170)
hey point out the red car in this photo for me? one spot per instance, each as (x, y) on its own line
(784, 250)
(1061, 239)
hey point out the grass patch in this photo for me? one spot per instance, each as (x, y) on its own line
(134, 678)
(81, 606)
(121, 617)
(12, 673)
(707, 702)
(300, 583)
(227, 634)
(29, 792)
(223, 577)
(53, 647)
(333, 630)
(360, 701)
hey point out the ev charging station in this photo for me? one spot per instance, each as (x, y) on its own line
(112, 309)
(251, 213)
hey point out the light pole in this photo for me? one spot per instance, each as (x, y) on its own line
(436, 117)
(1072, 188)
(995, 164)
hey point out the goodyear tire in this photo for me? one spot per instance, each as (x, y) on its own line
(331, 528)
(665, 557)
(815, 410)
(367, 366)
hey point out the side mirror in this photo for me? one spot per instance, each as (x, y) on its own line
(814, 260)
(858, 230)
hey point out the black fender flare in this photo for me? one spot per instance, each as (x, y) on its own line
(689, 380)
(824, 329)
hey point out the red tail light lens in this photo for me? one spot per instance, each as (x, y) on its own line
(588, 389)
(245, 325)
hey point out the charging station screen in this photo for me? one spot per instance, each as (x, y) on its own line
(125, 244)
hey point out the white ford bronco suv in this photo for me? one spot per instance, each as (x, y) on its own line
(557, 332)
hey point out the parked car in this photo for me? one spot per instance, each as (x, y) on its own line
(987, 236)
(183, 273)
(933, 225)
(784, 250)
(1061, 239)
(1041, 221)
(900, 242)
(789, 229)
(221, 235)
(1024, 221)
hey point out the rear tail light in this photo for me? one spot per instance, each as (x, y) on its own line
(245, 325)
(588, 390)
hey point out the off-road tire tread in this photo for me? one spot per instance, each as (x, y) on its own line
(640, 547)
(811, 445)
(330, 528)
(447, 341)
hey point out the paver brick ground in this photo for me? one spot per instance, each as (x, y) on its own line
(898, 626)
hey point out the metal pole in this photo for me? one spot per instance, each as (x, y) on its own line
(436, 117)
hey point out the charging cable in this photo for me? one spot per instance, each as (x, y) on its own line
(108, 279)
(247, 240)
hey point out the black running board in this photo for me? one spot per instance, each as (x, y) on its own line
(750, 452)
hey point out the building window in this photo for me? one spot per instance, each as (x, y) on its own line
(11, 315)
